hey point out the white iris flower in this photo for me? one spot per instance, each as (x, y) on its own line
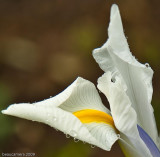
(79, 112)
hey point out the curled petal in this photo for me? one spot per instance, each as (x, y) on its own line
(103, 133)
(124, 115)
(84, 95)
(55, 117)
(116, 57)
(58, 112)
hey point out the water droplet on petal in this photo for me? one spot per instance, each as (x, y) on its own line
(118, 135)
(147, 65)
(93, 146)
(106, 141)
(113, 80)
(73, 133)
(12, 107)
(67, 136)
(54, 119)
(148, 83)
(76, 140)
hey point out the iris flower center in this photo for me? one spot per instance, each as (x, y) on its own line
(89, 116)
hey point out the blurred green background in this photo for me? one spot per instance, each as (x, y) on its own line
(45, 45)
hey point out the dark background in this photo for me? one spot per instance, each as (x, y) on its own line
(45, 45)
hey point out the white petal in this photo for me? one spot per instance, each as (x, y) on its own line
(55, 117)
(116, 57)
(84, 95)
(116, 33)
(103, 133)
(57, 112)
(124, 115)
(128, 150)
(81, 94)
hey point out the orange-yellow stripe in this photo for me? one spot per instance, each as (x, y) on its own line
(89, 116)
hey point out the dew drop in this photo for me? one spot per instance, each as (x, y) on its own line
(147, 65)
(12, 107)
(76, 140)
(48, 115)
(113, 80)
(118, 135)
(73, 133)
(54, 119)
(106, 141)
(147, 83)
(67, 136)
(93, 146)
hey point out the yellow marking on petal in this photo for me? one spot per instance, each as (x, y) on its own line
(89, 116)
